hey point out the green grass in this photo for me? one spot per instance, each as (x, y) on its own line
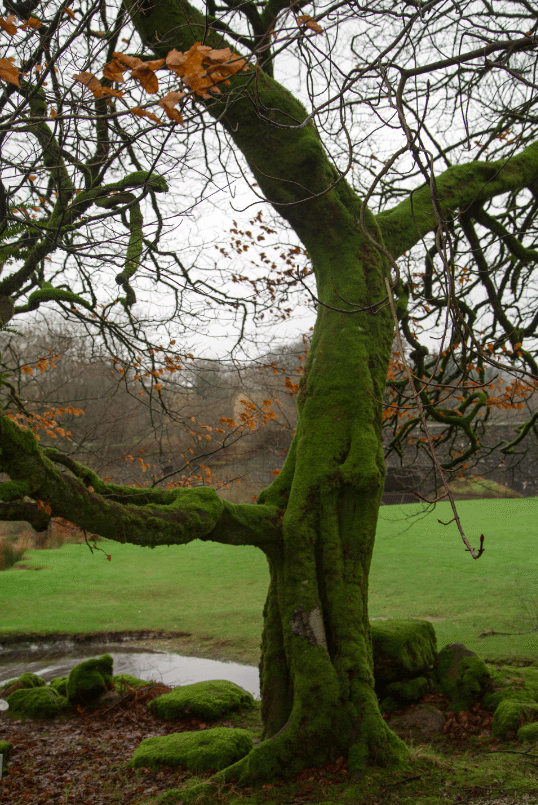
(420, 570)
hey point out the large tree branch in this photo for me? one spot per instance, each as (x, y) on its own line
(140, 516)
(267, 123)
(459, 187)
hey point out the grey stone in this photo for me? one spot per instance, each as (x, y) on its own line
(424, 719)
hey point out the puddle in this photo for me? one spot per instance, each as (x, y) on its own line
(171, 669)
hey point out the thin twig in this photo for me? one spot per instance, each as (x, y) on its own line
(456, 519)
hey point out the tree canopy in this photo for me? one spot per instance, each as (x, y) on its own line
(397, 141)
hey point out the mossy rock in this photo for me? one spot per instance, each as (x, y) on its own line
(402, 649)
(462, 676)
(528, 733)
(59, 683)
(510, 716)
(411, 690)
(509, 683)
(208, 700)
(389, 704)
(472, 682)
(23, 682)
(37, 703)
(5, 751)
(123, 682)
(448, 665)
(88, 680)
(206, 750)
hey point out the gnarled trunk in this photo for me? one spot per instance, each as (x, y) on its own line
(318, 700)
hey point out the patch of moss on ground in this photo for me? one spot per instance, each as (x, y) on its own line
(511, 683)
(430, 778)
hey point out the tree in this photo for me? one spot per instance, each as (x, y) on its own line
(435, 79)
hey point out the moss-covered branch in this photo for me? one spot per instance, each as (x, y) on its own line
(157, 517)
(67, 219)
(26, 511)
(458, 188)
(266, 122)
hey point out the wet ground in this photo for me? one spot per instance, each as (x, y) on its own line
(168, 668)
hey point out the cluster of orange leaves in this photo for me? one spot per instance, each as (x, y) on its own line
(201, 69)
(8, 72)
(46, 421)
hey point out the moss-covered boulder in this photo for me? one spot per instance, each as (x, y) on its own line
(410, 690)
(528, 733)
(88, 680)
(448, 665)
(59, 683)
(462, 676)
(122, 682)
(5, 751)
(402, 649)
(24, 681)
(42, 702)
(510, 716)
(206, 750)
(208, 700)
(389, 704)
(509, 683)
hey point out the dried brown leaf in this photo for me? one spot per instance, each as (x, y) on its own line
(139, 112)
(168, 103)
(147, 78)
(8, 72)
(8, 25)
(115, 92)
(128, 61)
(310, 23)
(114, 71)
(90, 81)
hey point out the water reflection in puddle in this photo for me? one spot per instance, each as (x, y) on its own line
(171, 669)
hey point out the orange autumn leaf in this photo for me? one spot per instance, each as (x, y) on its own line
(155, 64)
(69, 12)
(168, 103)
(8, 72)
(310, 23)
(31, 22)
(115, 92)
(8, 26)
(175, 61)
(114, 71)
(144, 113)
(129, 61)
(147, 78)
(143, 71)
(90, 81)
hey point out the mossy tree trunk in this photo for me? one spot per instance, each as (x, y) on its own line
(316, 673)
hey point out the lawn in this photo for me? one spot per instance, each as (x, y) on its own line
(420, 570)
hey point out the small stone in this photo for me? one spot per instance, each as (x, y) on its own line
(110, 697)
(422, 718)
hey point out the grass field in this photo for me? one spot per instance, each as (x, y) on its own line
(420, 570)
